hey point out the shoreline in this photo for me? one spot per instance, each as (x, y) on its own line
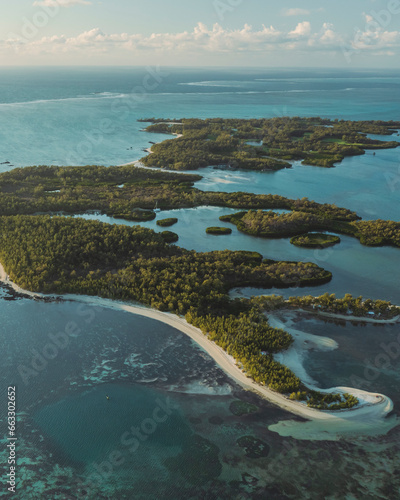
(293, 358)
(356, 318)
(139, 164)
(347, 317)
(369, 415)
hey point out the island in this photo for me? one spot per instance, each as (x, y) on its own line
(45, 251)
(263, 144)
(315, 240)
(215, 230)
(167, 222)
(282, 225)
(72, 190)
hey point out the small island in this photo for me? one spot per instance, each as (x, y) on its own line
(167, 222)
(315, 240)
(270, 224)
(136, 215)
(218, 230)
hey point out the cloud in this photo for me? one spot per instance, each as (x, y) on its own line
(302, 29)
(60, 3)
(374, 38)
(204, 41)
(296, 12)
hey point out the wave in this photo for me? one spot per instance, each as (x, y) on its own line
(362, 78)
(111, 95)
(92, 97)
(259, 92)
(217, 83)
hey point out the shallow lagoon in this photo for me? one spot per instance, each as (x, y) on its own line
(68, 430)
(137, 360)
(357, 269)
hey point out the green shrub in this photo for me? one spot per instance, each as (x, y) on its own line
(218, 230)
(167, 222)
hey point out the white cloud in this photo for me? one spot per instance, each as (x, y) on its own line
(204, 41)
(302, 29)
(374, 38)
(60, 3)
(296, 12)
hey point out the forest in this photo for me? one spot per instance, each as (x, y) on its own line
(53, 254)
(281, 225)
(64, 255)
(315, 240)
(354, 306)
(123, 192)
(263, 144)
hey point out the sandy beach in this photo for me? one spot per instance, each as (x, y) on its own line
(138, 163)
(367, 417)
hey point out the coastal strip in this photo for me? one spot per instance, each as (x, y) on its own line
(369, 415)
(362, 319)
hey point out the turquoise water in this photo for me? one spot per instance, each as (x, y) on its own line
(367, 184)
(357, 269)
(86, 416)
(68, 429)
(166, 427)
(374, 367)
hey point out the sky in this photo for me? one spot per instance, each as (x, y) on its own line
(254, 33)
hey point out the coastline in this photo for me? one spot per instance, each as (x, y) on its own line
(367, 417)
(139, 164)
(356, 318)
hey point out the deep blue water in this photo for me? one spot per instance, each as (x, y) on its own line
(68, 427)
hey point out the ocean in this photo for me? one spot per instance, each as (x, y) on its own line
(68, 430)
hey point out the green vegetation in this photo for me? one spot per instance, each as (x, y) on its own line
(136, 215)
(325, 401)
(61, 255)
(330, 401)
(66, 255)
(167, 222)
(355, 306)
(315, 240)
(169, 236)
(224, 142)
(31, 190)
(218, 230)
(275, 225)
(251, 341)
(378, 232)
(253, 447)
(240, 408)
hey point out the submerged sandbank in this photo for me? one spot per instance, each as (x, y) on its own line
(369, 417)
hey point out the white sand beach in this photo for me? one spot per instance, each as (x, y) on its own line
(368, 417)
